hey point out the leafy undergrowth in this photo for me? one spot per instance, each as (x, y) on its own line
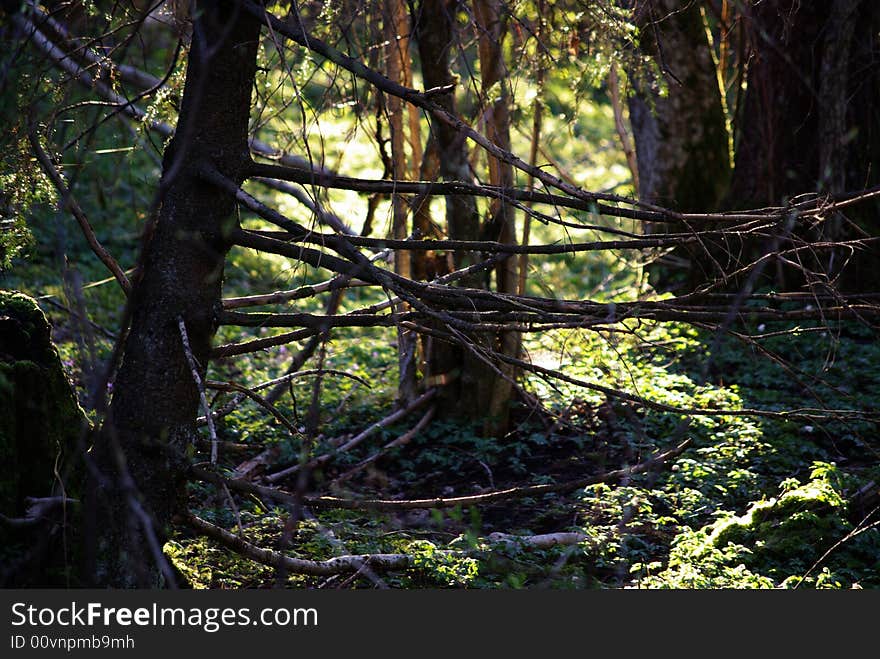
(754, 502)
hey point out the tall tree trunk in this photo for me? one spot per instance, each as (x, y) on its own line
(437, 36)
(862, 139)
(466, 384)
(810, 120)
(495, 92)
(681, 137)
(777, 154)
(540, 63)
(423, 164)
(501, 224)
(151, 420)
(449, 367)
(396, 32)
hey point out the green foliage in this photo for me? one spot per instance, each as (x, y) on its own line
(733, 459)
(753, 503)
(696, 563)
(451, 448)
(206, 565)
(22, 183)
(442, 568)
(630, 528)
(778, 542)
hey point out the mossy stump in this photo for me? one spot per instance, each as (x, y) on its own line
(41, 424)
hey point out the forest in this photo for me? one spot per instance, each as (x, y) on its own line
(460, 294)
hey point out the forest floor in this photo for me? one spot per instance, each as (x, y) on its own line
(762, 496)
(753, 501)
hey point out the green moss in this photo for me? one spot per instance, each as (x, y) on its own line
(791, 531)
(803, 536)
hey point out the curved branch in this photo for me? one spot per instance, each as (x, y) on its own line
(354, 441)
(337, 565)
(69, 202)
(360, 562)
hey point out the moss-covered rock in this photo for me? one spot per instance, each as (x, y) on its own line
(791, 531)
(803, 536)
(805, 531)
(40, 419)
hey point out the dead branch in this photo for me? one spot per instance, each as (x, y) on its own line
(284, 379)
(312, 257)
(354, 441)
(667, 310)
(254, 396)
(255, 345)
(403, 440)
(337, 565)
(360, 562)
(194, 369)
(667, 240)
(280, 297)
(431, 188)
(542, 541)
(265, 402)
(324, 216)
(68, 202)
(493, 312)
(487, 498)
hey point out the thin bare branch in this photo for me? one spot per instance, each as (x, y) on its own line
(486, 498)
(68, 202)
(403, 440)
(194, 369)
(354, 441)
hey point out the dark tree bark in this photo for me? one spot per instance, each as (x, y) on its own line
(810, 118)
(447, 366)
(436, 37)
(151, 419)
(469, 388)
(492, 28)
(861, 142)
(777, 151)
(808, 124)
(682, 144)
